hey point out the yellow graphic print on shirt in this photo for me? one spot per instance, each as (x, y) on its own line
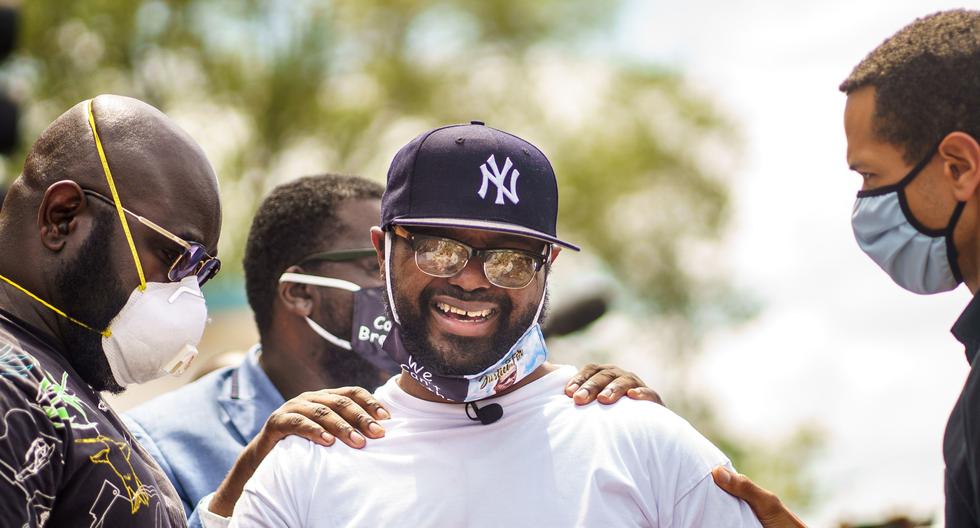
(116, 454)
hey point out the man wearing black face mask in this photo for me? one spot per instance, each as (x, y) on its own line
(106, 237)
(308, 250)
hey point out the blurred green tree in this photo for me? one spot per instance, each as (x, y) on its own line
(269, 86)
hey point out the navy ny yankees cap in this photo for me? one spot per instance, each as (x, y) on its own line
(473, 177)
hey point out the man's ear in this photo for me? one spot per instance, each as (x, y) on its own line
(961, 163)
(378, 241)
(555, 250)
(57, 217)
(296, 298)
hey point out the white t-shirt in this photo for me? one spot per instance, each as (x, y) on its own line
(545, 463)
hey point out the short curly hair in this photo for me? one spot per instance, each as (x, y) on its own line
(927, 81)
(289, 219)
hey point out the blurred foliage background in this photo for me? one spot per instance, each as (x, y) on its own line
(274, 90)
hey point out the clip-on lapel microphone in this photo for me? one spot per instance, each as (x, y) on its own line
(487, 414)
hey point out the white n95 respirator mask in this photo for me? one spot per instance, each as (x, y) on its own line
(156, 332)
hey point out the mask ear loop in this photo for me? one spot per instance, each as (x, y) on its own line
(316, 280)
(105, 333)
(391, 297)
(115, 195)
(952, 254)
(329, 282)
(544, 292)
(322, 332)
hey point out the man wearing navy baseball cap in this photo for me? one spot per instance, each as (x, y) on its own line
(481, 434)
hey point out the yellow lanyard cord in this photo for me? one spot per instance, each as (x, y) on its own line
(105, 333)
(115, 198)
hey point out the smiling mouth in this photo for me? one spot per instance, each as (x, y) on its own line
(459, 314)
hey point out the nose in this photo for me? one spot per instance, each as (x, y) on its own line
(471, 277)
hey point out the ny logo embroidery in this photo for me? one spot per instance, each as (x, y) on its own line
(492, 173)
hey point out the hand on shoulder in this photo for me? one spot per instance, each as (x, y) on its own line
(771, 511)
(607, 384)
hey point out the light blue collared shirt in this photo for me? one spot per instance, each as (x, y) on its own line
(197, 431)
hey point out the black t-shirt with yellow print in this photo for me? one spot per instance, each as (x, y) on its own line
(66, 459)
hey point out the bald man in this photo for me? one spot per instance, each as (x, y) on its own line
(106, 237)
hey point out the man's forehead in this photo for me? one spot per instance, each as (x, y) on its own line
(858, 125)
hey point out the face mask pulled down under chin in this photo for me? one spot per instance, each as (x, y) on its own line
(157, 332)
(527, 354)
(523, 358)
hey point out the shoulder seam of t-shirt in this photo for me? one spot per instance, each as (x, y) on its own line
(294, 501)
(689, 490)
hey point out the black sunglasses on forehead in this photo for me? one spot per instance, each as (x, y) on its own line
(194, 260)
(437, 256)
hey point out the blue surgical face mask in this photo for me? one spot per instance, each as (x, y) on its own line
(917, 258)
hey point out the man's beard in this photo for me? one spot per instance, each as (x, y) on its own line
(461, 355)
(346, 368)
(91, 293)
